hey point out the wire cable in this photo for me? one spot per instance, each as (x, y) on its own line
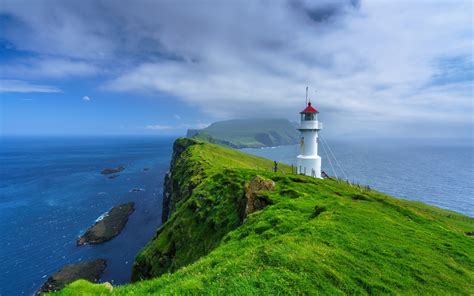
(329, 158)
(333, 155)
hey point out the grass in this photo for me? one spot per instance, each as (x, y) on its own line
(317, 237)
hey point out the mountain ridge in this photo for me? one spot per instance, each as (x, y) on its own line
(248, 133)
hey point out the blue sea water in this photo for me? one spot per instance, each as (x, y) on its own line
(51, 191)
(439, 174)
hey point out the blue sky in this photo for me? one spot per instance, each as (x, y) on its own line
(380, 68)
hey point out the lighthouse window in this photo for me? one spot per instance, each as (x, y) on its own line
(308, 116)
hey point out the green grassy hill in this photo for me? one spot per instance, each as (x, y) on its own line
(249, 133)
(236, 228)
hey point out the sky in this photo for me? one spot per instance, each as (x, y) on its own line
(375, 68)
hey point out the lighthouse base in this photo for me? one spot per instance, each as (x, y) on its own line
(309, 165)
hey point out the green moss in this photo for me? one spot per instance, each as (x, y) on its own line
(317, 236)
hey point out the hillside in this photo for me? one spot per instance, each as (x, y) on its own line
(236, 228)
(249, 133)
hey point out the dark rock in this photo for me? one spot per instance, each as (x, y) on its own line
(113, 176)
(89, 270)
(171, 191)
(137, 189)
(167, 195)
(108, 171)
(254, 197)
(108, 227)
(146, 169)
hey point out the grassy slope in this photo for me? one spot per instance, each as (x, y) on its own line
(318, 236)
(241, 133)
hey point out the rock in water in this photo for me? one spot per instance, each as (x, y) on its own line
(90, 270)
(108, 171)
(108, 227)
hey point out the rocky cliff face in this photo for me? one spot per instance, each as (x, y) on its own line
(172, 192)
(203, 199)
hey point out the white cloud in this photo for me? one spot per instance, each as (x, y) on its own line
(86, 98)
(159, 127)
(199, 125)
(18, 86)
(374, 63)
(176, 116)
(47, 68)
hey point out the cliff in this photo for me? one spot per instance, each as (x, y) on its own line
(248, 133)
(235, 227)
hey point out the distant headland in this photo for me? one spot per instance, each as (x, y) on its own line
(249, 133)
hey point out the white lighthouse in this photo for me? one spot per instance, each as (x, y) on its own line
(309, 162)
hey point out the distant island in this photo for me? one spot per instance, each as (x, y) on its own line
(109, 171)
(234, 226)
(248, 133)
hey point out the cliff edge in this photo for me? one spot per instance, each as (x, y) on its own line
(233, 226)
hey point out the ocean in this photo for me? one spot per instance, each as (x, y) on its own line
(51, 191)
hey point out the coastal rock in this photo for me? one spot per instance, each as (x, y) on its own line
(137, 190)
(253, 194)
(109, 171)
(113, 176)
(172, 191)
(109, 226)
(90, 270)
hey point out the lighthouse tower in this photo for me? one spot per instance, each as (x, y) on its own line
(309, 162)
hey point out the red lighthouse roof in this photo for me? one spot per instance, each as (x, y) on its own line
(309, 109)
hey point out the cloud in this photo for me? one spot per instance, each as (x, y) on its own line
(159, 127)
(86, 98)
(176, 116)
(47, 68)
(375, 64)
(18, 86)
(199, 125)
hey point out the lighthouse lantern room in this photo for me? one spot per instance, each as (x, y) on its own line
(308, 161)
